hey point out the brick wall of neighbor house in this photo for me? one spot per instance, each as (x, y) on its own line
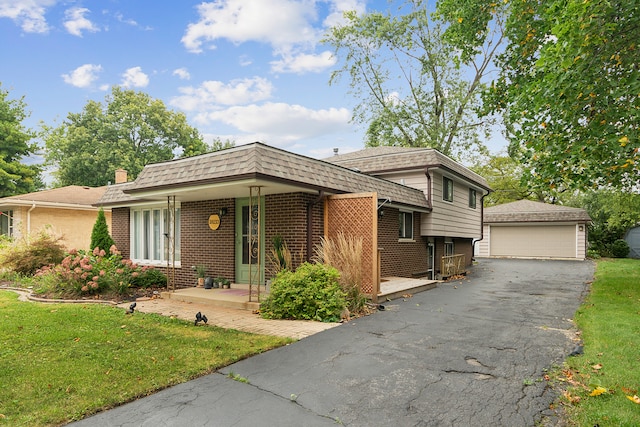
(286, 215)
(200, 245)
(120, 230)
(402, 259)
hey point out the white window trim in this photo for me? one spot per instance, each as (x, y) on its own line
(151, 262)
(412, 238)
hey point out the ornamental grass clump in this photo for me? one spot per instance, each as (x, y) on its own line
(345, 254)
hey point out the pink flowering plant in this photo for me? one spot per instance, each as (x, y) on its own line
(96, 272)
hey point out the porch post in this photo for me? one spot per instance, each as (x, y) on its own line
(170, 236)
(254, 243)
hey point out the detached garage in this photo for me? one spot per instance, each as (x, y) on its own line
(528, 229)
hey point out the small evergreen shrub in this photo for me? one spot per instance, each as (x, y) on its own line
(620, 249)
(148, 277)
(312, 292)
(27, 257)
(100, 237)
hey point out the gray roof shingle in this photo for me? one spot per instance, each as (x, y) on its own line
(531, 211)
(375, 160)
(260, 161)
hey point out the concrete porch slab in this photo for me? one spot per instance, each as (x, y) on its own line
(396, 287)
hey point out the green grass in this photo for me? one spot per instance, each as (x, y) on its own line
(610, 324)
(62, 362)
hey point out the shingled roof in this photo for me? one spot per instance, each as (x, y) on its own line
(376, 160)
(72, 196)
(263, 162)
(530, 211)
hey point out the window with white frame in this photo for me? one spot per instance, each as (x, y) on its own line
(151, 229)
(405, 221)
(448, 248)
(447, 189)
(6, 223)
(472, 198)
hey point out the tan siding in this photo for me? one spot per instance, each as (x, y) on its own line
(452, 219)
(581, 243)
(482, 246)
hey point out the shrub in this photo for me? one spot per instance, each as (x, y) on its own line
(312, 292)
(149, 277)
(100, 237)
(620, 249)
(27, 257)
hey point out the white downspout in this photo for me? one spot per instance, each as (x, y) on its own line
(29, 220)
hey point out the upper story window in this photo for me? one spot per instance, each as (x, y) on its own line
(6, 223)
(447, 189)
(405, 221)
(472, 198)
(150, 232)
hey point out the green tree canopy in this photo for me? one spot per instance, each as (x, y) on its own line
(129, 131)
(569, 88)
(504, 176)
(418, 76)
(15, 144)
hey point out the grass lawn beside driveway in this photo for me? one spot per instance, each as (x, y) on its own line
(63, 362)
(603, 384)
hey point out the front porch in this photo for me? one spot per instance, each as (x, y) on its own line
(237, 297)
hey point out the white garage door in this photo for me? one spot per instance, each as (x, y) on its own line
(549, 241)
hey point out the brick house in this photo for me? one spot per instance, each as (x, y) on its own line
(223, 209)
(65, 211)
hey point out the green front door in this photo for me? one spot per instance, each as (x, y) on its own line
(247, 252)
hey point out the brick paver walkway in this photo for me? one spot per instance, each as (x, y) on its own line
(242, 320)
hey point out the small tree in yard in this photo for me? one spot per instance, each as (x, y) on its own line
(100, 237)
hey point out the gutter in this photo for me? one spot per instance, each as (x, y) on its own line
(473, 244)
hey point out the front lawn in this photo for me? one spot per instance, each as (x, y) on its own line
(62, 362)
(604, 382)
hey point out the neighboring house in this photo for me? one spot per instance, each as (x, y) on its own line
(66, 211)
(223, 209)
(528, 229)
(632, 237)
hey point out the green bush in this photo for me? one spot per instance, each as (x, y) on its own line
(620, 249)
(312, 292)
(27, 258)
(148, 277)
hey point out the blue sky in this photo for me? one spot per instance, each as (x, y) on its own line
(246, 70)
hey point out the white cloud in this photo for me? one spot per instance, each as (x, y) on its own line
(28, 14)
(304, 63)
(134, 77)
(281, 23)
(280, 122)
(76, 22)
(83, 76)
(338, 7)
(211, 94)
(182, 73)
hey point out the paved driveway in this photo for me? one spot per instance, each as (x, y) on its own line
(469, 353)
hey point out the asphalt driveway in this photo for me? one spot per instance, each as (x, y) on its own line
(468, 353)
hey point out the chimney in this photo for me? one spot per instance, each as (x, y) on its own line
(121, 176)
(335, 151)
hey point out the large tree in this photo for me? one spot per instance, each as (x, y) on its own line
(569, 88)
(129, 131)
(418, 75)
(16, 177)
